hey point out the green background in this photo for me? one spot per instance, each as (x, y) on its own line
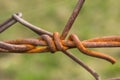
(98, 18)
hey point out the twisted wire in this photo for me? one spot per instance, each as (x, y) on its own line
(52, 43)
(48, 42)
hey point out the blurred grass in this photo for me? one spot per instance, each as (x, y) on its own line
(98, 18)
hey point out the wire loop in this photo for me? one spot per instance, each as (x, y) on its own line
(48, 42)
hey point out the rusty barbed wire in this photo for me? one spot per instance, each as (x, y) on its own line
(48, 42)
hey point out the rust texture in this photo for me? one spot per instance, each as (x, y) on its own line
(52, 42)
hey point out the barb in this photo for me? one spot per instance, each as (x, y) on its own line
(72, 19)
(48, 42)
(8, 23)
(32, 46)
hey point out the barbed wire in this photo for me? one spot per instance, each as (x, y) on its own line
(48, 42)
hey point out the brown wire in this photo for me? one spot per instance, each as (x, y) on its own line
(48, 42)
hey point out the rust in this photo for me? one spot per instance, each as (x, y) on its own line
(72, 19)
(48, 42)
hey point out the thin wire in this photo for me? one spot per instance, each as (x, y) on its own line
(34, 28)
(53, 42)
(72, 19)
(92, 72)
(8, 23)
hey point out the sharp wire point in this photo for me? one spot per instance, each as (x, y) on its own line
(48, 42)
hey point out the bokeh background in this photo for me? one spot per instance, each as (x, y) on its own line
(98, 18)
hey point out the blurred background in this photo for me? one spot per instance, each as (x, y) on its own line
(98, 18)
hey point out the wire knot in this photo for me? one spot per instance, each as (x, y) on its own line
(56, 44)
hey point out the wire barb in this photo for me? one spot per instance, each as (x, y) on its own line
(72, 19)
(48, 42)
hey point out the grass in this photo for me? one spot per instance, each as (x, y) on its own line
(96, 19)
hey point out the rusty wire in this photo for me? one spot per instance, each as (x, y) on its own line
(48, 42)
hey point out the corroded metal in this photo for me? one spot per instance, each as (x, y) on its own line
(48, 42)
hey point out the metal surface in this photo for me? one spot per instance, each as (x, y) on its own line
(48, 42)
